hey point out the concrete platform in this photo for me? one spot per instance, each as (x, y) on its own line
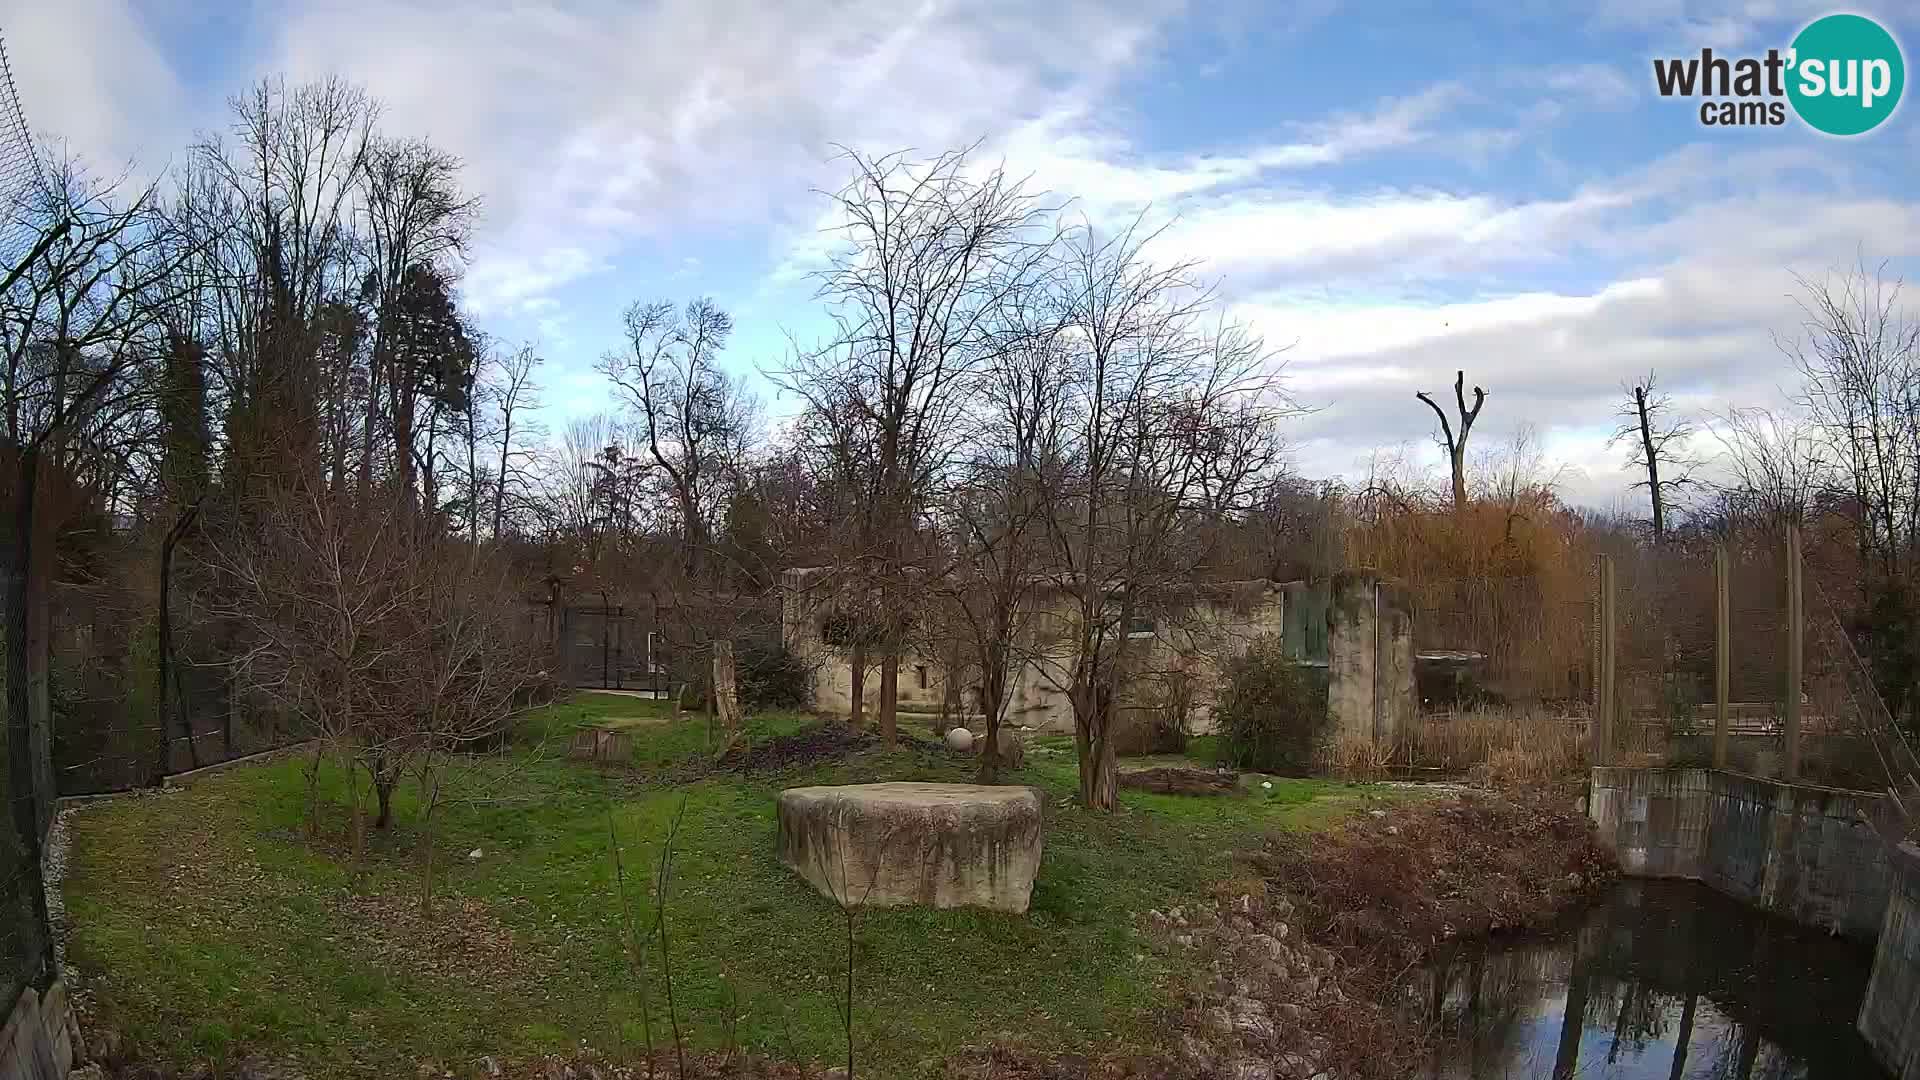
(939, 845)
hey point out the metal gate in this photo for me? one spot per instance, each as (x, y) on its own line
(612, 648)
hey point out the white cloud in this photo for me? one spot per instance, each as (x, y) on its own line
(1703, 318)
(88, 73)
(591, 125)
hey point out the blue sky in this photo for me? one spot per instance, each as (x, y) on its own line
(1393, 189)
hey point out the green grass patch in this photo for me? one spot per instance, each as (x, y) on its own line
(207, 923)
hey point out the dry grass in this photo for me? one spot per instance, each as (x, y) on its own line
(1503, 747)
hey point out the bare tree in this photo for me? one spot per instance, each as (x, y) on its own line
(1658, 437)
(694, 423)
(512, 392)
(276, 197)
(992, 507)
(1858, 353)
(1778, 465)
(1168, 432)
(932, 249)
(395, 646)
(416, 226)
(81, 334)
(1456, 445)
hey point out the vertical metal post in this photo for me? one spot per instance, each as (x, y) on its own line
(1604, 706)
(1796, 640)
(619, 647)
(1722, 655)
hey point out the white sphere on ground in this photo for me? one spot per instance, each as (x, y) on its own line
(959, 739)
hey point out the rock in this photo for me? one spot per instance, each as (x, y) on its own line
(1248, 1068)
(104, 1047)
(1176, 780)
(941, 845)
(475, 853)
(1249, 1019)
(490, 1066)
(960, 739)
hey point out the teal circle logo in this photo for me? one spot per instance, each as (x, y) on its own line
(1846, 74)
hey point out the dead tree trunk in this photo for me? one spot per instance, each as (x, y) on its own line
(1652, 454)
(1456, 447)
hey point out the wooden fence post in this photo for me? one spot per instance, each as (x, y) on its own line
(1722, 655)
(1604, 707)
(1796, 640)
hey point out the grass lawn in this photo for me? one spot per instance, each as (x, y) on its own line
(206, 924)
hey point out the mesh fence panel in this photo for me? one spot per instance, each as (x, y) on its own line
(1667, 653)
(22, 176)
(24, 933)
(1500, 642)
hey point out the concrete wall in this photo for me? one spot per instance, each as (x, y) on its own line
(1802, 852)
(1188, 645)
(1890, 1012)
(1370, 692)
(37, 1042)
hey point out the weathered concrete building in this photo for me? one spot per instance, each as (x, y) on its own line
(1356, 627)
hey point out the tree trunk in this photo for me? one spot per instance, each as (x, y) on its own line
(726, 694)
(857, 676)
(1458, 461)
(950, 694)
(889, 695)
(163, 663)
(384, 780)
(1099, 770)
(992, 693)
(1652, 455)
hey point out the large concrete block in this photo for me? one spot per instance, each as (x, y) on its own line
(1890, 1009)
(941, 845)
(1370, 692)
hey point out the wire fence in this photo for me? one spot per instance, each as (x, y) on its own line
(25, 930)
(1679, 662)
(22, 176)
(1500, 642)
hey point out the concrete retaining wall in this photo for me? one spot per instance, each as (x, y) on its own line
(1802, 852)
(1890, 1012)
(1806, 853)
(36, 1043)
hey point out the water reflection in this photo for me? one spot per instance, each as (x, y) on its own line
(1663, 981)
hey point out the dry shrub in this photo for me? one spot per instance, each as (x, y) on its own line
(1508, 745)
(1356, 757)
(1501, 747)
(1398, 881)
